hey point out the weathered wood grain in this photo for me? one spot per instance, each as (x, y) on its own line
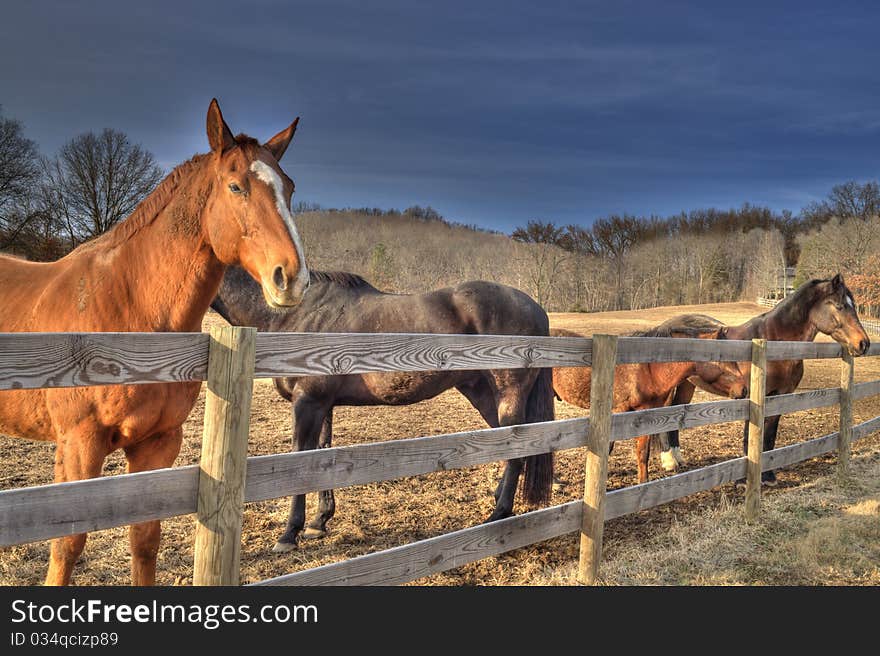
(438, 554)
(784, 404)
(291, 354)
(864, 390)
(286, 474)
(802, 350)
(33, 360)
(224, 455)
(50, 511)
(596, 462)
(757, 400)
(866, 428)
(673, 349)
(654, 493)
(656, 420)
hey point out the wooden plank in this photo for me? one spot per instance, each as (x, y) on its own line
(866, 428)
(679, 349)
(596, 464)
(757, 399)
(784, 404)
(657, 420)
(295, 354)
(224, 455)
(34, 360)
(655, 493)
(864, 390)
(794, 453)
(414, 561)
(847, 374)
(802, 350)
(50, 511)
(272, 476)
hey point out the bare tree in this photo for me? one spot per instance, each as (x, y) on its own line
(849, 200)
(97, 180)
(543, 257)
(18, 176)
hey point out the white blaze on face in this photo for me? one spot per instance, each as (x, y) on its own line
(267, 174)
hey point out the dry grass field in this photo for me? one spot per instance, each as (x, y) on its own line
(811, 530)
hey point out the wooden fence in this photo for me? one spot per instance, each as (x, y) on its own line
(231, 357)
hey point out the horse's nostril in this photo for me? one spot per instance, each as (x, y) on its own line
(863, 345)
(279, 278)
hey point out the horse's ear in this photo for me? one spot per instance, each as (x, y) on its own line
(837, 282)
(278, 144)
(219, 135)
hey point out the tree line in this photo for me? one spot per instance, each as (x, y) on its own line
(49, 205)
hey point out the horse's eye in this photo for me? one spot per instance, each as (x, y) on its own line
(235, 189)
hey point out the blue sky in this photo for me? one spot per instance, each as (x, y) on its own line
(492, 112)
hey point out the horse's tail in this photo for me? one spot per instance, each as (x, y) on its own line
(538, 478)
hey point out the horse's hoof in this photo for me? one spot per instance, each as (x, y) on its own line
(495, 517)
(668, 461)
(769, 479)
(283, 547)
(558, 485)
(676, 453)
(741, 484)
(313, 533)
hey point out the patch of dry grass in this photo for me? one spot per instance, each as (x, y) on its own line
(821, 533)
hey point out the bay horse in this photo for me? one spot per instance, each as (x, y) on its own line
(818, 306)
(345, 302)
(651, 384)
(157, 271)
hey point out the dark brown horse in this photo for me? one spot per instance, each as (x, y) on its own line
(651, 385)
(344, 302)
(818, 306)
(156, 271)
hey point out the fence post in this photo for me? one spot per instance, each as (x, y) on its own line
(847, 371)
(596, 467)
(224, 455)
(757, 391)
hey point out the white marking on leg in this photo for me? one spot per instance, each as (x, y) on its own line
(269, 176)
(667, 460)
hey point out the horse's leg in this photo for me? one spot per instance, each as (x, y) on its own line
(308, 416)
(154, 453)
(482, 398)
(643, 454)
(79, 455)
(670, 451)
(317, 528)
(511, 406)
(771, 426)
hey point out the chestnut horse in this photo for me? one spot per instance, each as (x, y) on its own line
(344, 302)
(651, 384)
(157, 271)
(818, 306)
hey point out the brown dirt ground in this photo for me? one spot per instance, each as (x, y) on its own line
(383, 515)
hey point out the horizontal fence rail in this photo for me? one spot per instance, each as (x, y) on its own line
(51, 360)
(34, 360)
(49, 511)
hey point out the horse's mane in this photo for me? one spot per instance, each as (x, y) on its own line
(797, 305)
(341, 278)
(149, 209)
(686, 325)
